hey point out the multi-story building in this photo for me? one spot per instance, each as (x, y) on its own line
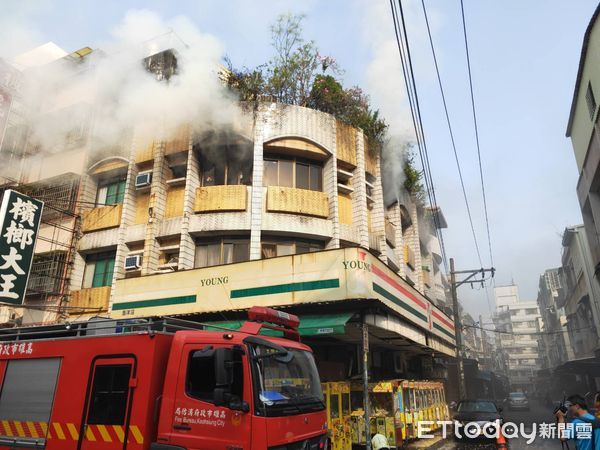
(517, 325)
(285, 208)
(555, 346)
(581, 292)
(584, 130)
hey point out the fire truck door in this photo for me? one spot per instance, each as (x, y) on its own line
(198, 422)
(108, 406)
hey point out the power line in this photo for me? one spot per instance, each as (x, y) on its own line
(537, 333)
(412, 95)
(462, 183)
(485, 208)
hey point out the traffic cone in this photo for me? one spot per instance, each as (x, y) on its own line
(501, 443)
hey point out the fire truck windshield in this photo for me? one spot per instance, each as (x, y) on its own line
(286, 384)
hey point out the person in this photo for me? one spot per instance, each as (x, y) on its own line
(597, 405)
(579, 410)
(379, 442)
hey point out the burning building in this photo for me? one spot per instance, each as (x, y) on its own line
(279, 205)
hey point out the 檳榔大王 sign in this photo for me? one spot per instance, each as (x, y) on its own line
(20, 217)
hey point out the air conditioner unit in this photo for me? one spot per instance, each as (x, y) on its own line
(133, 262)
(143, 180)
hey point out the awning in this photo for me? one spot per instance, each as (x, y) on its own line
(590, 366)
(318, 325)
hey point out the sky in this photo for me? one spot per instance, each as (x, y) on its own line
(524, 57)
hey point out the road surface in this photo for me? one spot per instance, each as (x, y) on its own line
(538, 414)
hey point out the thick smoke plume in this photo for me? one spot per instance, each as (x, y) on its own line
(387, 89)
(112, 90)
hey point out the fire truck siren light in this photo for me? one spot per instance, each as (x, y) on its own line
(262, 314)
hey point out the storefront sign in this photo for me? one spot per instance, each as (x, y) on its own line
(19, 222)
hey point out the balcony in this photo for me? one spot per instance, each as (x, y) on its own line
(427, 277)
(221, 198)
(297, 201)
(409, 257)
(345, 209)
(101, 218)
(346, 144)
(92, 300)
(390, 232)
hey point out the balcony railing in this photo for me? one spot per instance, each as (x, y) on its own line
(409, 257)
(92, 300)
(390, 232)
(297, 201)
(101, 218)
(221, 198)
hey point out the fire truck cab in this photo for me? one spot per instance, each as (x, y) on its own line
(159, 385)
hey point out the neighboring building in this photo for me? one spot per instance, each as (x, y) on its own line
(555, 345)
(517, 326)
(581, 293)
(584, 130)
(285, 209)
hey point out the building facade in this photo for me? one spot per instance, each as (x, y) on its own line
(284, 208)
(581, 293)
(517, 326)
(584, 130)
(555, 345)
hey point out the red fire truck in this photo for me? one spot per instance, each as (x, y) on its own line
(160, 384)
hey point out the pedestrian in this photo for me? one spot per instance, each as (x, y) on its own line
(597, 405)
(579, 410)
(379, 442)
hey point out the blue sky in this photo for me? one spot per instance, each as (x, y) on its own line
(524, 57)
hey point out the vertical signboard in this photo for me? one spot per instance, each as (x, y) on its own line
(20, 217)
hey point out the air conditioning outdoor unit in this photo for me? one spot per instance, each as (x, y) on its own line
(133, 262)
(143, 180)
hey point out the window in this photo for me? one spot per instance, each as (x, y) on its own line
(110, 391)
(293, 173)
(591, 100)
(222, 166)
(201, 378)
(225, 251)
(284, 248)
(179, 171)
(99, 270)
(111, 193)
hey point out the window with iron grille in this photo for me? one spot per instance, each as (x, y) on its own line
(591, 100)
(58, 194)
(47, 273)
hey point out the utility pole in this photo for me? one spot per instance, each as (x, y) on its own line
(365, 367)
(470, 277)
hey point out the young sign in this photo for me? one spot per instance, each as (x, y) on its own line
(20, 217)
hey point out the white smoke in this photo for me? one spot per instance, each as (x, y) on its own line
(119, 94)
(385, 84)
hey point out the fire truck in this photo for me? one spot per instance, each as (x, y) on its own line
(161, 384)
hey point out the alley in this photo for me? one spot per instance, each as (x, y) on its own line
(537, 415)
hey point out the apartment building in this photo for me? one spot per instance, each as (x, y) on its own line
(283, 208)
(583, 129)
(581, 292)
(555, 345)
(517, 324)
